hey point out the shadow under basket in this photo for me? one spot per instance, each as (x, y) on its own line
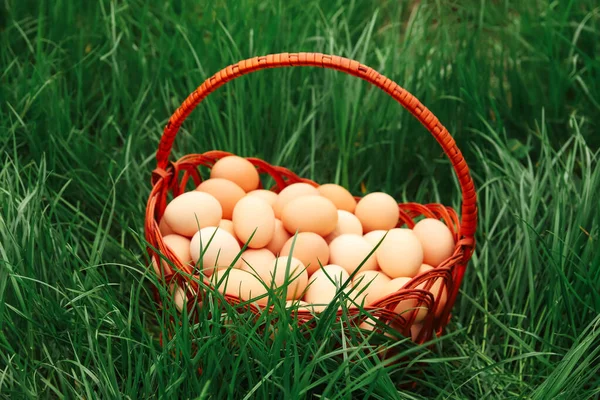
(444, 280)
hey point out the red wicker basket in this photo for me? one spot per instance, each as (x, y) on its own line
(173, 177)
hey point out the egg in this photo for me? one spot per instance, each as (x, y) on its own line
(436, 239)
(254, 217)
(374, 237)
(217, 247)
(226, 192)
(370, 285)
(280, 236)
(180, 246)
(295, 303)
(254, 258)
(371, 325)
(404, 307)
(190, 210)
(290, 193)
(400, 254)
(350, 251)
(339, 196)
(377, 211)
(227, 225)
(436, 290)
(238, 170)
(415, 331)
(240, 283)
(310, 248)
(267, 195)
(310, 214)
(157, 270)
(179, 296)
(323, 286)
(164, 228)
(278, 273)
(347, 223)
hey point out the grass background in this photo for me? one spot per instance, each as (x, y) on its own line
(86, 88)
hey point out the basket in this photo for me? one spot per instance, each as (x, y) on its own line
(173, 176)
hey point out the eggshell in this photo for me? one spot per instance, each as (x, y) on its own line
(164, 228)
(404, 307)
(227, 225)
(180, 246)
(157, 270)
(253, 217)
(310, 214)
(277, 274)
(280, 236)
(179, 296)
(371, 325)
(323, 285)
(217, 247)
(373, 283)
(347, 223)
(267, 195)
(192, 209)
(374, 237)
(377, 211)
(436, 239)
(310, 248)
(400, 254)
(350, 251)
(239, 283)
(238, 170)
(436, 290)
(339, 195)
(290, 193)
(226, 192)
(254, 258)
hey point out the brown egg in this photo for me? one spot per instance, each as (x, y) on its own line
(436, 290)
(280, 236)
(323, 285)
(238, 170)
(373, 283)
(226, 192)
(164, 228)
(371, 325)
(290, 193)
(350, 251)
(374, 237)
(347, 223)
(217, 247)
(279, 273)
(253, 217)
(180, 246)
(179, 296)
(192, 209)
(310, 248)
(400, 254)
(239, 283)
(404, 307)
(436, 239)
(165, 266)
(339, 195)
(415, 331)
(377, 211)
(227, 225)
(310, 214)
(266, 195)
(252, 259)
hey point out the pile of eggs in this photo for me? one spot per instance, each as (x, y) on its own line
(305, 242)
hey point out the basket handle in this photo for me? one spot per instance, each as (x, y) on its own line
(407, 100)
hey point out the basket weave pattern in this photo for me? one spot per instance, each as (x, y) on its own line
(173, 177)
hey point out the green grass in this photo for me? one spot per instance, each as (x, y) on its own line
(86, 88)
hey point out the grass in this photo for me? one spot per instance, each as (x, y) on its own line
(86, 88)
